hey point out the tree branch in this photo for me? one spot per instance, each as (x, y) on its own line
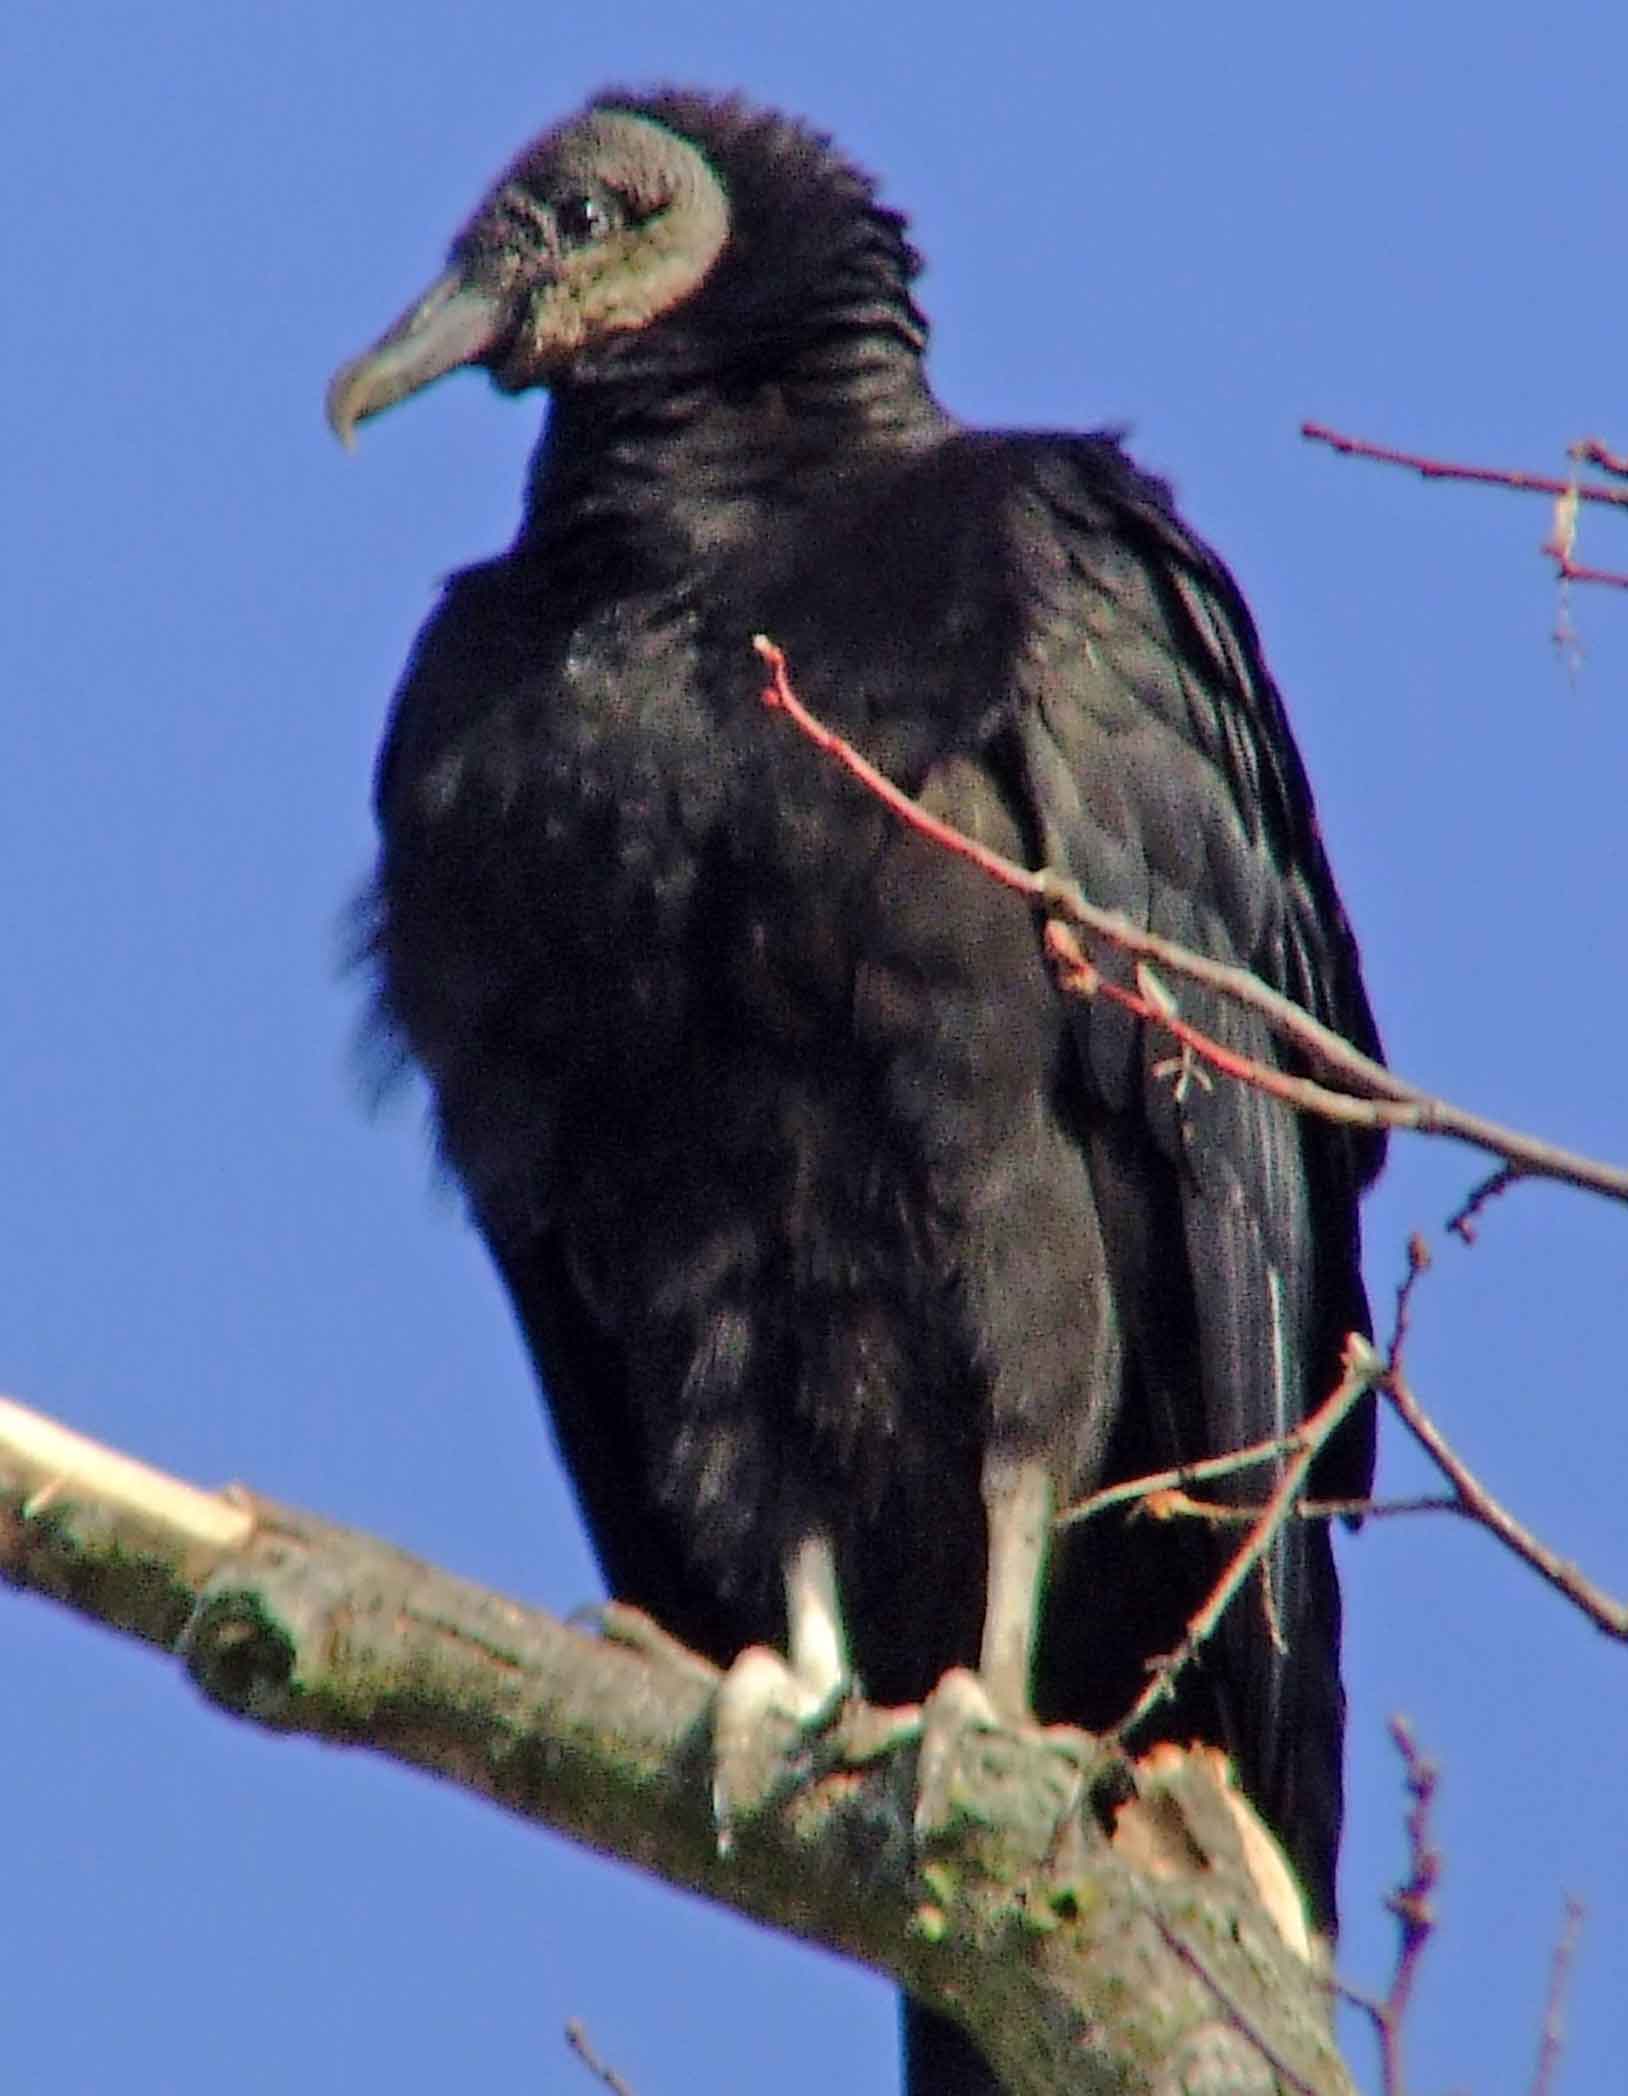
(607, 2077)
(1569, 493)
(1163, 1495)
(1374, 1097)
(1479, 1505)
(1363, 1371)
(1444, 469)
(1096, 1924)
(1412, 1903)
(1553, 2040)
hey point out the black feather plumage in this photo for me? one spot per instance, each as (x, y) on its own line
(816, 1205)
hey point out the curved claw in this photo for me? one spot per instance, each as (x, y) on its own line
(760, 1715)
(620, 1623)
(960, 1704)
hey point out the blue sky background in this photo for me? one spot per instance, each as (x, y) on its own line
(1207, 223)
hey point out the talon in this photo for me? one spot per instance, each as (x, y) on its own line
(960, 1704)
(619, 1623)
(760, 1715)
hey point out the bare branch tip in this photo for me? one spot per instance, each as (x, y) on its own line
(577, 2038)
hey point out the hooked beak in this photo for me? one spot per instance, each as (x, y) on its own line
(453, 324)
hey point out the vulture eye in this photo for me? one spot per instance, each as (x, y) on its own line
(584, 219)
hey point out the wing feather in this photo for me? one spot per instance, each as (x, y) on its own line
(1164, 779)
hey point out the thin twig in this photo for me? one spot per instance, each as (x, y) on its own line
(1553, 2041)
(1177, 1478)
(1561, 547)
(1570, 570)
(1363, 1369)
(1443, 469)
(1382, 1509)
(1164, 1504)
(1562, 540)
(1376, 1098)
(1411, 1904)
(1419, 1264)
(577, 2038)
(1465, 1219)
(1602, 1610)
(1590, 451)
(1474, 1500)
(1080, 977)
(1411, 1901)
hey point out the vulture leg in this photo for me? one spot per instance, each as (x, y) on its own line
(1018, 1505)
(761, 1697)
(1018, 1502)
(819, 1651)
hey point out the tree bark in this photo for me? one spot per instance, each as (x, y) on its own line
(1095, 1923)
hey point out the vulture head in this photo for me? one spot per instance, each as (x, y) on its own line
(672, 233)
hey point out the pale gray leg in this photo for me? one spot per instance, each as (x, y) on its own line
(816, 1645)
(1018, 1505)
(762, 1702)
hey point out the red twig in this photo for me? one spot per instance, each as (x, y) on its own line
(577, 2038)
(778, 696)
(1164, 1495)
(1419, 1264)
(1444, 469)
(1570, 570)
(1176, 1479)
(1553, 2041)
(1152, 1003)
(1474, 1500)
(1464, 1221)
(1375, 1098)
(1561, 542)
(1382, 1509)
(1362, 1371)
(1589, 451)
(1411, 1904)
(1602, 1610)
(1561, 545)
(1175, 1505)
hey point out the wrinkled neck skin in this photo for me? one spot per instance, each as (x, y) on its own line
(677, 459)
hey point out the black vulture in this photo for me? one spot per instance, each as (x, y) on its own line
(845, 1249)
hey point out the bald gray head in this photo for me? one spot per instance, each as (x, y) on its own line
(714, 227)
(597, 229)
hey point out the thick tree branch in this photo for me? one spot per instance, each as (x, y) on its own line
(1097, 1924)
